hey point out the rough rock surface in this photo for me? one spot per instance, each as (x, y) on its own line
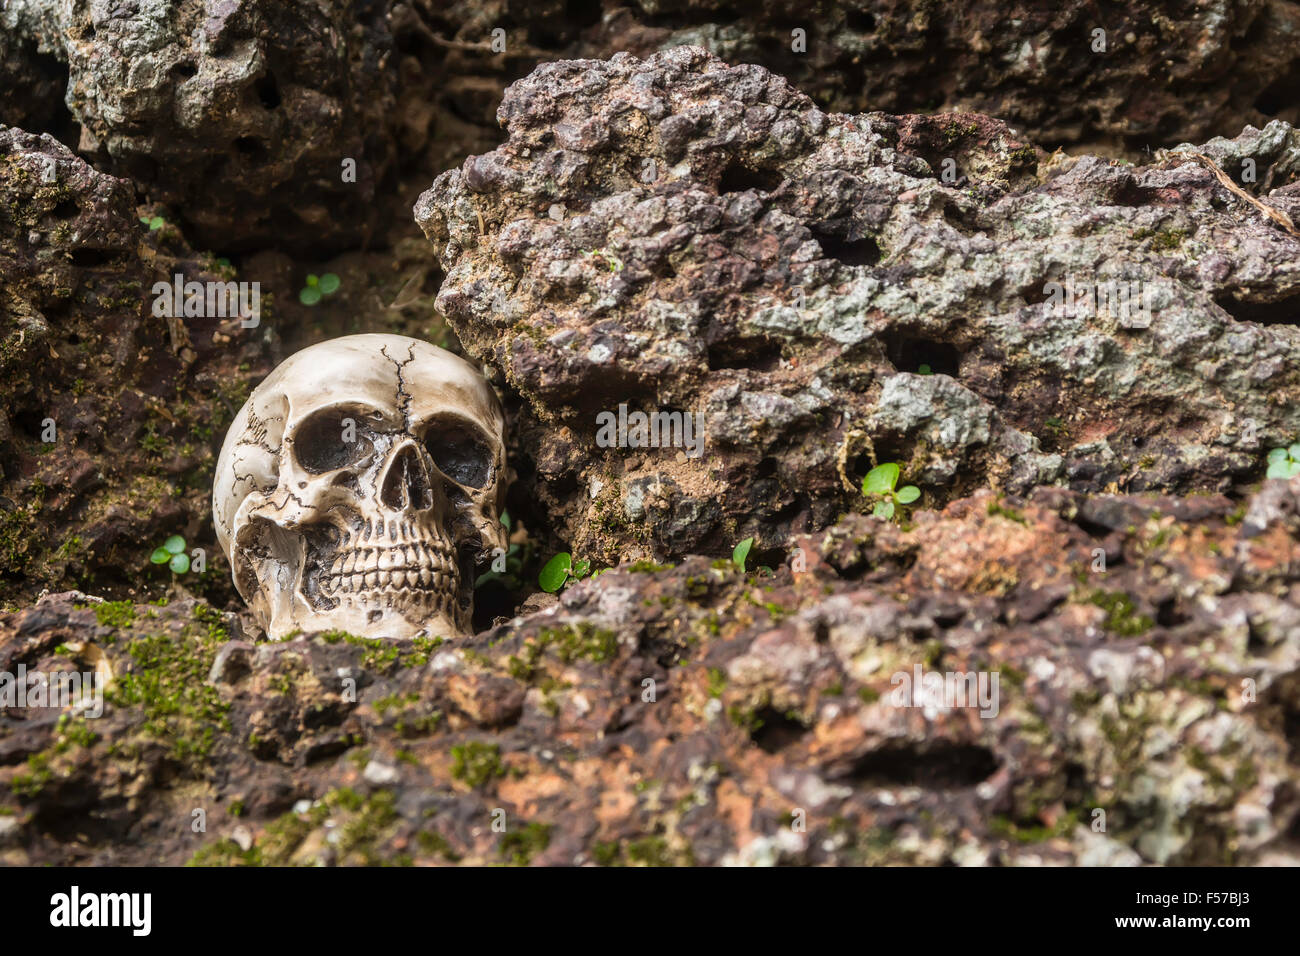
(136, 402)
(1171, 72)
(238, 114)
(1163, 690)
(680, 235)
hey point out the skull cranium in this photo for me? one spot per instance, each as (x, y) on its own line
(358, 488)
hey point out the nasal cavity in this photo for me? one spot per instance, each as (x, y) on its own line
(406, 484)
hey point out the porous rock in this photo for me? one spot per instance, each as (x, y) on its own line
(1145, 711)
(677, 234)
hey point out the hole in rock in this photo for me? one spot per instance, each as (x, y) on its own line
(851, 252)
(1282, 94)
(1170, 614)
(94, 258)
(268, 91)
(760, 355)
(942, 766)
(739, 177)
(43, 98)
(1035, 294)
(66, 209)
(1129, 193)
(860, 21)
(252, 146)
(775, 731)
(185, 70)
(1280, 312)
(917, 355)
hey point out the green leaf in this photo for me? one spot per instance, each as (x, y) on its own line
(1293, 469)
(581, 568)
(881, 479)
(309, 295)
(156, 223)
(883, 509)
(556, 572)
(907, 494)
(160, 556)
(180, 563)
(329, 283)
(741, 553)
(505, 519)
(923, 370)
(175, 544)
(1294, 452)
(313, 280)
(1277, 454)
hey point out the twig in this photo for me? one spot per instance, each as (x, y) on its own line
(1277, 215)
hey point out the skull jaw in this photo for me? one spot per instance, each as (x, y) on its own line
(358, 620)
(274, 589)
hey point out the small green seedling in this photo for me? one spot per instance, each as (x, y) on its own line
(318, 287)
(560, 570)
(923, 370)
(172, 553)
(511, 575)
(612, 262)
(741, 554)
(153, 222)
(1284, 462)
(881, 481)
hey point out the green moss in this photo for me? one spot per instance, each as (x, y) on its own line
(168, 682)
(226, 852)
(1122, 617)
(1012, 675)
(1021, 832)
(957, 131)
(581, 641)
(381, 654)
(69, 733)
(32, 781)
(746, 718)
(520, 846)
(436, 844)
(717, 681)
(420, 650)
(648, 567)
(476, 763)
(868, 695)
(362, 824)
(1022, 156)
(644, 851)
(997, 509)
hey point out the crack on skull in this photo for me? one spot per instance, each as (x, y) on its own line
(403, 397)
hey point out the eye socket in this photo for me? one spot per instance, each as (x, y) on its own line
(461, 452)
(321, 442)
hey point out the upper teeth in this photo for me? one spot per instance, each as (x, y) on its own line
(418, 565)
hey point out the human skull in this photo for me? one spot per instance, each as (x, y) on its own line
(359, 487)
